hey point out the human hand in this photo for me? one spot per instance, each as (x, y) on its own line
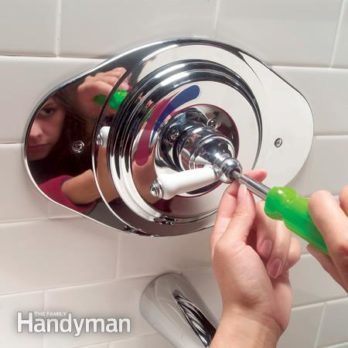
(100, 84)
(330, 217)
(251, 255)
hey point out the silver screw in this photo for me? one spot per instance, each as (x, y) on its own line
(173, 134)
(156, 189)
(164, 220)
(278, 142)
(78, 146)
(211, 123)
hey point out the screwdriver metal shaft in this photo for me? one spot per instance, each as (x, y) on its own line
(255, 187)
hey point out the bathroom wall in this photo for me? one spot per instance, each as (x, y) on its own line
(54, 260)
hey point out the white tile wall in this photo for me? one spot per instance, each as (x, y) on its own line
(303, 327)
(323, 169)
(9, 307)
(76, 265)
(116, 299)
(149, 341)
(151, 250)
(123, 24)
(334, 325)
(28, 27)
(341, 345)
(340, 56)
(103, 345)
(311, 284)
(51, 253)
(287, 32)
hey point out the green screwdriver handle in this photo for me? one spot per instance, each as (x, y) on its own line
(284, 203)
(115, 100)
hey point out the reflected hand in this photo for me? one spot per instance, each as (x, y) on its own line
(251, 255)
(99, 84)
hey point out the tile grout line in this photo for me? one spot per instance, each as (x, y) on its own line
(320, 326)
(58, 27)
(216, 17)
(337, 35)
(316, 303)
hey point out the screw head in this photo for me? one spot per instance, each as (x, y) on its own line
(78, 147)
(156, 189)
(211, 123)
(165, 220)
(278, 142)
(173, 134)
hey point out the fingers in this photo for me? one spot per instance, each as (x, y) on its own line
(326, 263)
(275, 244)
(294, 252)
(332, 223)
(227, 206)
(242, 220)
(344, 199)
(91, 89)
(280, 250)
(239, 226)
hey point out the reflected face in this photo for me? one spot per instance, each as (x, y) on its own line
(45, 130)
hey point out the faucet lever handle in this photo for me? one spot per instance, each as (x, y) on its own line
(166, 186)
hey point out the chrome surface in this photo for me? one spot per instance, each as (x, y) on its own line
(172, 306)
(197, 320)
(97, 143)
(255, 187)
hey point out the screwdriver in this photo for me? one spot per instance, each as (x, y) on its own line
(284, 203)
(115, 100)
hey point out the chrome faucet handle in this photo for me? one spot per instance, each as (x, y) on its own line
(167, 186)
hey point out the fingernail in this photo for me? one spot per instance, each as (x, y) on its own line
(275, 267)
(242, 192)
(266, 248)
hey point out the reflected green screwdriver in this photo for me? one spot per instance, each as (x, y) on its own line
(284, 203)
(115, 99)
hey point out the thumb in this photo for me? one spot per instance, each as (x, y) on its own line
(243, 217)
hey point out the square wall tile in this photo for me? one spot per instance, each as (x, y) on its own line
(149, 341)
(340, 58)
(28, 27)
(112, 26)
(55, 253)
(19, 199)
(9, 307)
(24, 81)
(118, 299)
(334, 326)
(326, 93)
(311, 283)
(291, 32)
(303, 327)
(325, 167)
(141, 255)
